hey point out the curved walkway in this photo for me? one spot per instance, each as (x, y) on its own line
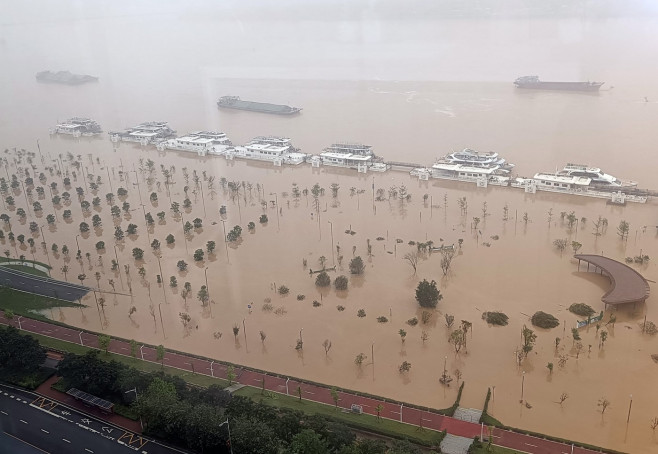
(628, 286)
(322, 394)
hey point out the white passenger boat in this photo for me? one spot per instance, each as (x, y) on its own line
(200, 142)
(351, 161)
(144, 133)
(472, 158)
(77, 126)
(277, 150)
(461, 172)
(350, 148)
(599, 179)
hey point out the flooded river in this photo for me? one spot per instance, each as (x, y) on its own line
(385, 83)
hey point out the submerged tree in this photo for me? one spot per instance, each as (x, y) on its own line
(427, 294)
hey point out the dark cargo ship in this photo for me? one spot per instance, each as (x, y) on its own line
(65, 77)
(234, 102)
(533, 82)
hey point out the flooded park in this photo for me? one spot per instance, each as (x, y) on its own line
(261, 299)
(225, 258)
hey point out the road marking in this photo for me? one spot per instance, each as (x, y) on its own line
(64, 439)
(45, 431)
(24, 422)
(20, 439)
(89, 450)
(528, 444)
(7, 414)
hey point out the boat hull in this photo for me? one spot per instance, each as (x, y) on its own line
(262, 107)
(565, 86)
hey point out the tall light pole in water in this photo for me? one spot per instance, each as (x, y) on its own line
(332, 242)
(276, 197)
(226, 242)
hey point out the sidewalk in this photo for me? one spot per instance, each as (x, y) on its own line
(121, 421)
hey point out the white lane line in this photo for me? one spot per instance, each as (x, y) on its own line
(66, 440)
(528, 444)
(24, 422)
(7, 414)
(89, 450)
(44, 431)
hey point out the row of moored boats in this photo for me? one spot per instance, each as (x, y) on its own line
(467, 165)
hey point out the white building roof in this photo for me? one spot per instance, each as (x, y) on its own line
(353, 157)
(465, 168)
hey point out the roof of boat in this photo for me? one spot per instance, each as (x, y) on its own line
(581, 181)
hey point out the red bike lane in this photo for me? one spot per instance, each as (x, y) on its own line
(316, 393)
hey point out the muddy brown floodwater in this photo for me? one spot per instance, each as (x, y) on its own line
(509, 266)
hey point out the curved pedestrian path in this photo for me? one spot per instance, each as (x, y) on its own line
(317, 393)
(628, 286)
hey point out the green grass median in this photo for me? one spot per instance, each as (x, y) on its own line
(368, 423)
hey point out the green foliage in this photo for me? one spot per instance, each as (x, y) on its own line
(495, 318)
(427, 294)
(263, 219)
(138, 253)
(19, 353)
(341, 282)
(544, 320)
(198, 255)
(357, 266)
(323, 279)
(581, 309)
(104, 342)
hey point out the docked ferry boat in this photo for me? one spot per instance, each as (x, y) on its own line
(145, 133)
(77, 126)
(352, 156)
(472, 158)
(200, 142)
(277, 150)
(598, 178)
(492, 174)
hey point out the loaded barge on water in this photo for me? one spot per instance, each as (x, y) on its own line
(64, 77)
(234, 102)
(534, 83)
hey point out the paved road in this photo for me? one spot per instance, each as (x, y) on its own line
(322, 394)
(32, 421)
(41, 285)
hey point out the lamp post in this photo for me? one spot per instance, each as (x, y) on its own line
(205, 272)
(230, 445)
(630, 405)
(137, 179)
(164, 292)
(134, 390)
(276, 197)
(79, 251)
(182, 223)
(116, 257)
(212, 374)
(43, 239)
(141, 351)
(81, 343)
(300, 335)
(332, 242)
(161, 323)
(19, 322)
(226, 242)
(522, 385)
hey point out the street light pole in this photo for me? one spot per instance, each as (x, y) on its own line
(522, 385)
(276, 197)
(116, 257)
(43, 239)
(226, 242)
(205, 272)
(230, 445)
(141, 351)
(164, 292)
(300, 335)
(81, 343)
(332, 242)
(630, 405)
(212, 374)
(136, 399)
(161, 323)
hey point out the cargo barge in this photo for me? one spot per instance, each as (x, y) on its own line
(533, 82)
(234, 102)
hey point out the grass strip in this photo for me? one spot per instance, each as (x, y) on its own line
(29, 304)
(142, 366)
(363, 422)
